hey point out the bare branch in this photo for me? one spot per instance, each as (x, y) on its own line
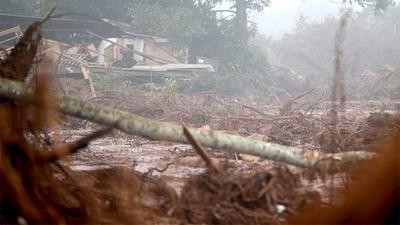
(211, 164)
(71, 148)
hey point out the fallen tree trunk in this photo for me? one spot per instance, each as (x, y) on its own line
(137, 125)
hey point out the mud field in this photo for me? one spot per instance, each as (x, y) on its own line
(176, 163)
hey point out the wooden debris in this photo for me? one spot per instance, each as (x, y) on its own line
(210, 162)
(68, 149)
(137, 125)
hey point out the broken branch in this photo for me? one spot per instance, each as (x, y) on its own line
(70, 148)
(211, 164)
(137, 125)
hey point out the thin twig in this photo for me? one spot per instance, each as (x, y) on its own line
(249, 107)
(150, 171)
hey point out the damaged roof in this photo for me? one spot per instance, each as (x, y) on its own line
(72, 30)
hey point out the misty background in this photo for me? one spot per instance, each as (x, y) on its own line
(281, 16)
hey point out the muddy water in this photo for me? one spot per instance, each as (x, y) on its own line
(142, 155)
(176, 162)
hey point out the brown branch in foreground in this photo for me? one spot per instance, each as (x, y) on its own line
(210, 163)
(71, 148)
(137, 125)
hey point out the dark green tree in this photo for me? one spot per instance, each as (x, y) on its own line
(241, 9)
(115, 9)
(20, 7)
(379, 5)
(195, 25)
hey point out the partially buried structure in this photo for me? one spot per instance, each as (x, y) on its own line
(79, 48)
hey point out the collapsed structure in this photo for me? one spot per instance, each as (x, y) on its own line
(79, 48)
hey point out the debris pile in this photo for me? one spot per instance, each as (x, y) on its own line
(86, 48)
(231, 197)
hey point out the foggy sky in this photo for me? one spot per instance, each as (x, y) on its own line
(280, 17)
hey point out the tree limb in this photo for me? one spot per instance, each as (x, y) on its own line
(137, 125)
(70, 148)
(211, 164)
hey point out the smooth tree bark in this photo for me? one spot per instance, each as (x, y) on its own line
(137, 125)
(241, 19)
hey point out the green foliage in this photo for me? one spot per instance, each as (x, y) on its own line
(170, 86)
(190, 24)
(110, 81)
(116, 9)
(379, 5)
(258, 5)
(242, 67)
(180, 20)
(20, 7)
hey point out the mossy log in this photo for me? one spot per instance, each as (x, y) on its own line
(137, 125)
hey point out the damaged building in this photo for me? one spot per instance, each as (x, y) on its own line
(79, 48)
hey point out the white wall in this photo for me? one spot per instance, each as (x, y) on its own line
(103, 45)
(138, 44)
